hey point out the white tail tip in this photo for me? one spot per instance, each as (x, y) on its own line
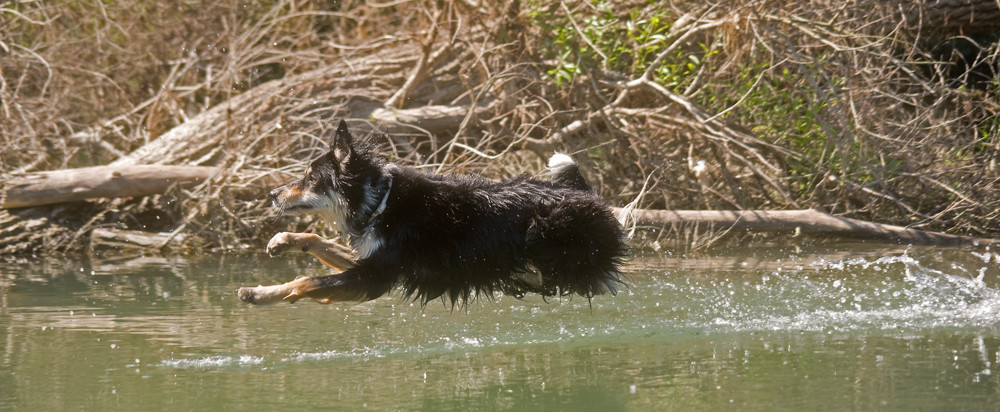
(560, 161)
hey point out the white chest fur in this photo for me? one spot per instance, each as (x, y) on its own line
(368, 243)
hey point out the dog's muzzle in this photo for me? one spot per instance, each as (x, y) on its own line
(275, 195)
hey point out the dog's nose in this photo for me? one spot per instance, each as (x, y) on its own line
(273, 194)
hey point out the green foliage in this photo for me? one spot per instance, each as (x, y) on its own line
(795, 103)
(782, 111)
(784, 107)
(626, 44)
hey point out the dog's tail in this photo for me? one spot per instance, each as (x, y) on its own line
(564, 171)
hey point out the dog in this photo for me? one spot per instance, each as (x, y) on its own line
(441, 236)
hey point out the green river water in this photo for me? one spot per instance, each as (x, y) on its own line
(838, 327)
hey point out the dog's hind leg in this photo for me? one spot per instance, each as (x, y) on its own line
(578, 246)
(330, 253)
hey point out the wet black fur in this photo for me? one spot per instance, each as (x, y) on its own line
(460, 237)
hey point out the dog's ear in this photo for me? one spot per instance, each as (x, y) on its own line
(343, 144)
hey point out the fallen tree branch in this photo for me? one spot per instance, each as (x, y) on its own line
(432, 119)
(801, 221)
(60, 186)
(120, 240)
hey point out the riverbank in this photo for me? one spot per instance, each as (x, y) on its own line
(856, 109)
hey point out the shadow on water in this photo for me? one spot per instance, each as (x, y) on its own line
(840, 327)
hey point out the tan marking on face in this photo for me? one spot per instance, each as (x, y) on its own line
(292, 193)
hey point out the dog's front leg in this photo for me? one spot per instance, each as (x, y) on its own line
(356, 284)
(330, 253)
(285, 292)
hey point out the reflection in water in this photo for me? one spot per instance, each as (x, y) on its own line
(850, 328)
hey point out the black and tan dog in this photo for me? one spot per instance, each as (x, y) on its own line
(455, 237)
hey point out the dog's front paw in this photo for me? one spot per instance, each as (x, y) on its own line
(282, 242)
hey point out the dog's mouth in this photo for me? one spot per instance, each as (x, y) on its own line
(330, 208)
(298, 208)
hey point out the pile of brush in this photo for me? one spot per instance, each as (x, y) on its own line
(857, 109)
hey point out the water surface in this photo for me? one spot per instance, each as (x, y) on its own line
(847, 326)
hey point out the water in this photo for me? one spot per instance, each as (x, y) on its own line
(845, 327)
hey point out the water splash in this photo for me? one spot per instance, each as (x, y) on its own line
(893, 293)
(214, 362)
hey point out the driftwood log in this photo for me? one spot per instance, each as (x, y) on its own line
(812, 221)
(122, 240)
(60, 186)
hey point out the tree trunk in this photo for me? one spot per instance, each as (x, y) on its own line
(800, 221)
(951, 17)
(60, 186)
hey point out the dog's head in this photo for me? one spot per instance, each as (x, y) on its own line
(339, 186)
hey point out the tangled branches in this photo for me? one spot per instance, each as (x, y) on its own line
(855, 108)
